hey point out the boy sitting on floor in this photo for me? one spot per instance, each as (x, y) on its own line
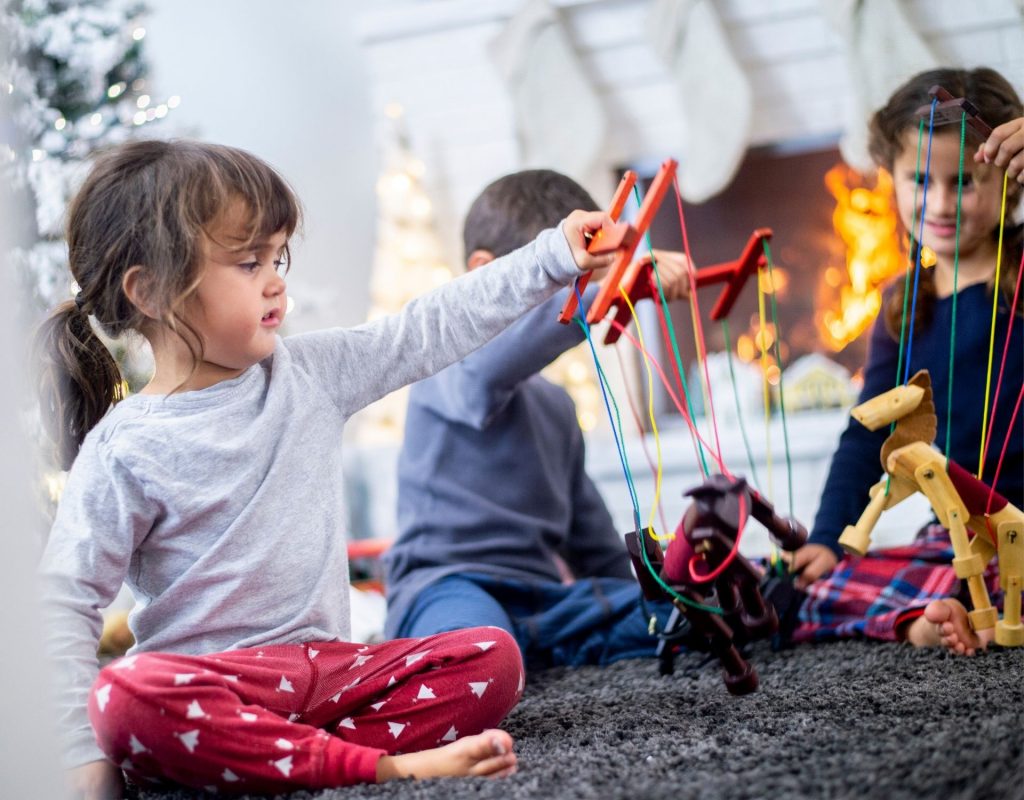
(499, 524)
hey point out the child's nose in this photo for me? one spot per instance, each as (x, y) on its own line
(943, 198)
(275, 285)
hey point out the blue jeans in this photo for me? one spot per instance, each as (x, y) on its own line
(591, 621)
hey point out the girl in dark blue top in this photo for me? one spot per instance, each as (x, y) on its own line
(904, 592)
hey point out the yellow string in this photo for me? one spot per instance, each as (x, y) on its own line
(654, 425)
(992, 333)
(705, 390)
(764, 384)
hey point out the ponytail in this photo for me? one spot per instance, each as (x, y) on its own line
(78, 379)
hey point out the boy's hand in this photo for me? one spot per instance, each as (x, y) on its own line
(1005, 148)
(674, 271)
(97, 780)
(810, 562)
(576, 225)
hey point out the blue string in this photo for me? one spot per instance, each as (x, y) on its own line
(602, 380)
(920, 237)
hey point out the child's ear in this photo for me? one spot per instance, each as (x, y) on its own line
(478, 258)
(137, 289)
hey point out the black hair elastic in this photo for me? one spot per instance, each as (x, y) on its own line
(79, 301)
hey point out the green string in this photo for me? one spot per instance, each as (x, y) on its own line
(672, 339)
(778, 361)
(956, 273)
(736, 397)
(906, 281)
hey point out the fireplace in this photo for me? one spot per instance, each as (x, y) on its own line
(827, 294)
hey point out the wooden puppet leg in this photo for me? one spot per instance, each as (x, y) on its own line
(856, 539)
(937, 487)
(1010, 534)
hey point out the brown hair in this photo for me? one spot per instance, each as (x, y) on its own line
(512, 210)
(997, 102)
(148, 204)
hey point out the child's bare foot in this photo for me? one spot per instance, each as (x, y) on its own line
(945, 622)
(488, 754)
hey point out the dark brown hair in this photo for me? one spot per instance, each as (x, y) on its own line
(512, 210)
(997, 102)
(148, 204)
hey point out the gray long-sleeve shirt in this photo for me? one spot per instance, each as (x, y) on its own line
(222, 508)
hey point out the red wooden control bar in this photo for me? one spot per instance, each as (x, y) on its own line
(734, 273)
(639, 282)
(624, 255)
(606, 240)
(951, 109)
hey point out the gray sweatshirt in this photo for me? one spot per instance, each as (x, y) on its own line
(222, 508)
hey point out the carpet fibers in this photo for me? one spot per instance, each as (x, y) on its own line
(851, 719)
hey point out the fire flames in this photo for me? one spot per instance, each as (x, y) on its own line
(866, 220)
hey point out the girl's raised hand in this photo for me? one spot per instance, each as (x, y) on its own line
(578, 227)
(1005, 148)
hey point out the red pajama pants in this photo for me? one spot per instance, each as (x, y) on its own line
(306, 716)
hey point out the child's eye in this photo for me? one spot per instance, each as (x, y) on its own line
(282, 266)
(250, 266)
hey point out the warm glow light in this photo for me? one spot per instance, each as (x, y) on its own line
(138, 34)
(867, 222)
(60, 124)
(116, 90)
(774, 282)
(96, 118)
(745, 348)
(142, 101)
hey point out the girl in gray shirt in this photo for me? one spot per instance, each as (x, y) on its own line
(215, 494)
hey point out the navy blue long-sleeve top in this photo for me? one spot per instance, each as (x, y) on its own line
(491, 473)
(856, 465)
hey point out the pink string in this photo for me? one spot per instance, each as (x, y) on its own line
(1002, 453)
(701, 344)
(660, 314)
(732, 553)
(672, 395)
(999, 385)
(640, 427)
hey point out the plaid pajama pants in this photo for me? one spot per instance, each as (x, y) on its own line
(279, 718)
(874, 595)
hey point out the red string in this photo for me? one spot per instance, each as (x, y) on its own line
(701, 343)
(732, 553)
(640, 427)
(660, 314)
(999, 384)
(1002, 453)
(668, 389)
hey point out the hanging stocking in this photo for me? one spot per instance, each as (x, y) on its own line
(714, 91)
(882, 50)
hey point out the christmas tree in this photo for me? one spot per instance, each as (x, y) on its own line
(407, 263)
(74, 82)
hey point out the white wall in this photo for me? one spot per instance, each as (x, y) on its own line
(285, 81)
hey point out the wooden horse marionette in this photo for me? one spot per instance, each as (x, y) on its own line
(962, 503)
(716, 592)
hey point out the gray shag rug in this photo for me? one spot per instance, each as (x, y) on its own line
(849, 719)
